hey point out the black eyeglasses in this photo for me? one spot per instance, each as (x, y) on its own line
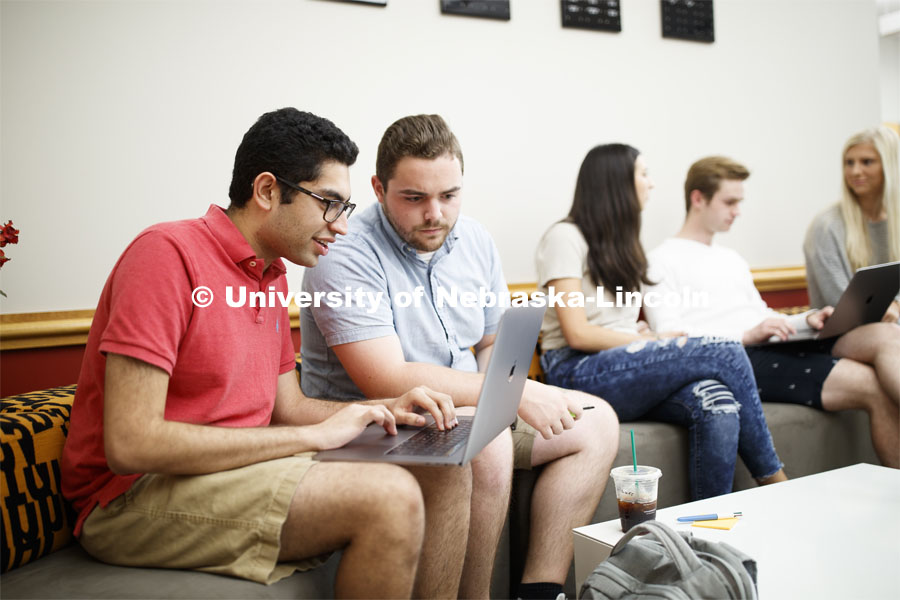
(333, 208)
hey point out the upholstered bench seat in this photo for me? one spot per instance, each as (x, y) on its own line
(71, 573)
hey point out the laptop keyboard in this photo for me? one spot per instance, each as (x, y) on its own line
(431, 441)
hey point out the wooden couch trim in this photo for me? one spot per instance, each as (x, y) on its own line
(70, 327)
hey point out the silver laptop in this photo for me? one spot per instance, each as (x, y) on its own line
(498, 404)
(865, 300)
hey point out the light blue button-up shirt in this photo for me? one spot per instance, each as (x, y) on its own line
(372, 284)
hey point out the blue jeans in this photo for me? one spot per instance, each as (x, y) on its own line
(704, 384)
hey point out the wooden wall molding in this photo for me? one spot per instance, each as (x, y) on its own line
(61, 328)
(774, 279)
(780, 279)
(44, 329)
(70, 327)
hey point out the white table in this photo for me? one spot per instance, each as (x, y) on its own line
(831, 535)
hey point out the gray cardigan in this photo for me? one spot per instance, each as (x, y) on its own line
(828, 269)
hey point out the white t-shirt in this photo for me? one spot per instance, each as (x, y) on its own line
(691, 271)
(562, 254)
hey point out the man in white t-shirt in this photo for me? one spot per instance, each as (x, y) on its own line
(860, 369)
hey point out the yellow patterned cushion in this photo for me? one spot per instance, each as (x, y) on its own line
(36, 519)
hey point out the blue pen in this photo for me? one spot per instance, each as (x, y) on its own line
(712, 517)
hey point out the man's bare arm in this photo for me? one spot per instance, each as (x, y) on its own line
(379, 369)
(138, 438)
(483, 351)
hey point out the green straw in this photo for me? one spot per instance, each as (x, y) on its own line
(633, 452)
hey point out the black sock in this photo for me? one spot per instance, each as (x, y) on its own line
(540, 590)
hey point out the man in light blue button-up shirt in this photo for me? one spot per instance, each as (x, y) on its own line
(373, 258)
(406, 297)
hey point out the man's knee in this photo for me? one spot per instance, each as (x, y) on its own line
(387, 494)
(597, 431)
(492, 468)
(604, 422)
(340, 503)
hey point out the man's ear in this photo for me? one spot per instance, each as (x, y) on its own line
(378, 188)
(266, 193)
(698, 199)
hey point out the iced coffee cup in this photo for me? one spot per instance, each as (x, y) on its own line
(636, 493)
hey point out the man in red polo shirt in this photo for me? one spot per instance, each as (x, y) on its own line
(190, 441)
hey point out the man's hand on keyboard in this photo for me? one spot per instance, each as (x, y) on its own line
(439, 405)
(349, 422)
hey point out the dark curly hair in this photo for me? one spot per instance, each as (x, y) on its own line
(291, 144)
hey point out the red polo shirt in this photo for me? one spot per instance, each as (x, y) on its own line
(223, 361)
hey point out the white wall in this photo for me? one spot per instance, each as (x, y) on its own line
(889, 52)
(119, 114)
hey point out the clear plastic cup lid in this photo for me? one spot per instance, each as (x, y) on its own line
(643, 473)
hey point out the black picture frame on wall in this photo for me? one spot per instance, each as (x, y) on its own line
(372, 2)
(488, 9)
(599, 15)
(690, 20)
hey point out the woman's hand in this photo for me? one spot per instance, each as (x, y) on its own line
(892, 314)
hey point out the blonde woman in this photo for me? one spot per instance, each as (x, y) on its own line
(863, 228)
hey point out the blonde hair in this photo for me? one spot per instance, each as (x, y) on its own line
(859, 247)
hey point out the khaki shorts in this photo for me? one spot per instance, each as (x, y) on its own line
(227, 523)
(523, 442)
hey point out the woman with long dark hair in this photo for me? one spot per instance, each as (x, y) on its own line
(595, 343)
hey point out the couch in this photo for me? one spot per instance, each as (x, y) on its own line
(41, 560)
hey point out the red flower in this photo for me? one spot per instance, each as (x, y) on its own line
(9, 235)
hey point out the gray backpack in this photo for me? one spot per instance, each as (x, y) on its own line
(668, 564)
